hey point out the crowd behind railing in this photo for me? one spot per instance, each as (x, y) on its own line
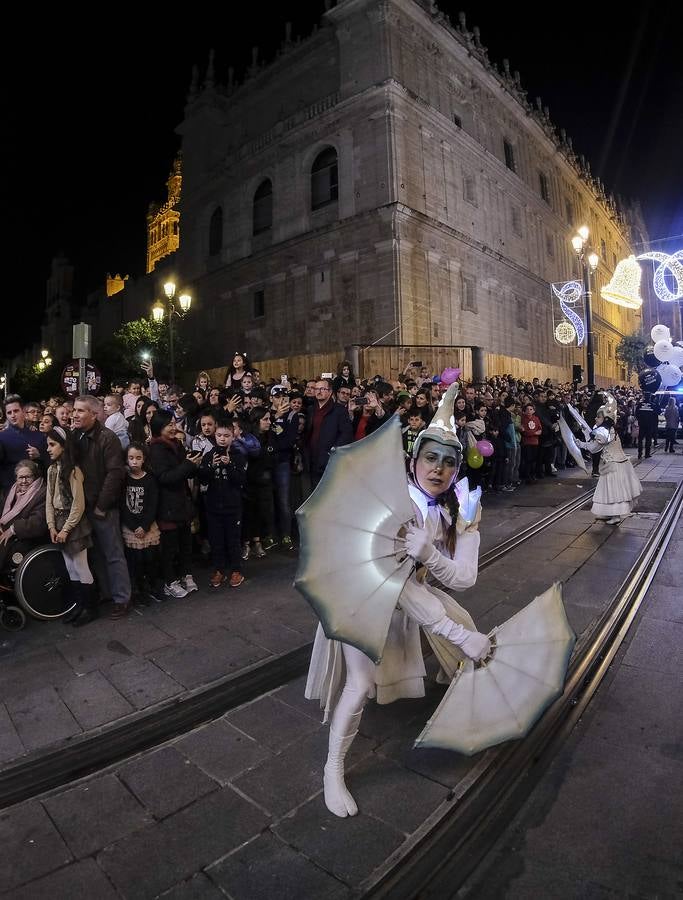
(142, 482)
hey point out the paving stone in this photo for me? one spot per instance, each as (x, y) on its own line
(657, 646)
(271, 723)
(142, 683)
(93, 701)
(349, 848)
(293, 695)
(96, 813)
(222, 751)
(41, 718)
(441, 766)
(33, 671)
(400, 797)
(643, 709)
(573, 556)
(11, 746)
(31, 845)
(283, 782)
(197, 888)
(85, 654)
(207, 657)
(582, 618)
(83, 880)
(663, 602)
(163, 855)
(265, 632)
(214, 612)
(267, 867)
(591, 539)
(164, 781)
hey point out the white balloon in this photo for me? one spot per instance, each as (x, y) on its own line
(663, 350)
(671, 375)
(660, 333)
(676, 358)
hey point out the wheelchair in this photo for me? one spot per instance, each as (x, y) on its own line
(33, 582)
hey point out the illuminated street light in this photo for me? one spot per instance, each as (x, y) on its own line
(159, 310)
(589, 262)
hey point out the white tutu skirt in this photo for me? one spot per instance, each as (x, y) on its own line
(617, 488)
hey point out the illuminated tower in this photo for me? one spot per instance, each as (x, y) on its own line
(163, 222)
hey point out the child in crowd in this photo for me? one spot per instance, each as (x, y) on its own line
(68, 525)
(410, 432)
(141, 536)
(531, 435)
(115, 420)
(225, 475)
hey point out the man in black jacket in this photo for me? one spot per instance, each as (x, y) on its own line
(327, 426)
(647, 413)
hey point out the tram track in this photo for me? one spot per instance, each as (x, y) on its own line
(454, 841)
(47, 770)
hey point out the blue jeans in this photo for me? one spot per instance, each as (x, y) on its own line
(284, 510)
(109, 559)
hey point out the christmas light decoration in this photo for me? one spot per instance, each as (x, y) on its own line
(565, 333)
(569, 293)
(671, 264)
(624, 286)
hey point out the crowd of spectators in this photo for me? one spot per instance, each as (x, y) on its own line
(171, 474)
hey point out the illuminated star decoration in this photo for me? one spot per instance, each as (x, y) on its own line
(624, 286)
(565, 332)
(569, 293)
(668, 263)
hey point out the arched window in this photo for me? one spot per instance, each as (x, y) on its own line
(263, 207)
(216, 232)
(324, 184)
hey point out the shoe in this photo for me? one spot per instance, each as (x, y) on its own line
(189, 584)
(245, 550)
(647, 456)
(268, 543)
(595, 474)
(508, 488)
(553, 469)
(175, 589)
(259, 552)
(287, 543)
(120, 611)
(217, 579)
(236, 579)
(155, 596)
(89, 615)
(139, 600)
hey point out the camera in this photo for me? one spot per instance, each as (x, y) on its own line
(278, 390)
(417, 363)
(360, 401)
(283, 379)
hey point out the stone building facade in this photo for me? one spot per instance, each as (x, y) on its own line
(383, 182)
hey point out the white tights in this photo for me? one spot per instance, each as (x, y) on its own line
(77, 566)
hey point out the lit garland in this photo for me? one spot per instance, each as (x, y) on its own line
(568, 294)
(668, 263)
(624, 286)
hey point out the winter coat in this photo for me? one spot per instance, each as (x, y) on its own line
(335, 431)
(167, 461)
(102, 467)
(225, 481)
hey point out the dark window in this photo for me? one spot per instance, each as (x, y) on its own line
(216, 232)
(469, 189)
(516, 220)
(521, 310)
(469, 294)
(603, 249)
(569, 211)
(457, 120)
(259, 304)
(324, 183)
(509, 156)
(543, 185)
(175, 228)
(263, 207)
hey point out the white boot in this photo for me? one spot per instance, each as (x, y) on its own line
(337, 798)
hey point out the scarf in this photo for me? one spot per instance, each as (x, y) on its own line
(11, 509)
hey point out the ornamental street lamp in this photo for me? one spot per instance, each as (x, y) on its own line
(589, 262)
(159, 310)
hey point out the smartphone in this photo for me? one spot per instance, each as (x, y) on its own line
(145, 355)
(360, 401)
(418, 362)
(283, 379)
(327, 375)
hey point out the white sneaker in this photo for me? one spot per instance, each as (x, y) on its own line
(175, 589)
(189, 584)
(553, 469)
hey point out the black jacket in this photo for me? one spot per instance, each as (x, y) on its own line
(335, 431)
(140, 502)
(226, 481)
(172, 470)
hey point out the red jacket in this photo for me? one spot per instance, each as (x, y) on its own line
(531, 430)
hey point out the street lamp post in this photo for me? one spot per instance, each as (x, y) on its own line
(158, 310)
(589, 262)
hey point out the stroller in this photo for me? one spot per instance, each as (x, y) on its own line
(34, 581)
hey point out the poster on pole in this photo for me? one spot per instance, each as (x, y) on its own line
(569, 313)
(70, 379)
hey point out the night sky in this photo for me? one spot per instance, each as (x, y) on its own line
(89, 126)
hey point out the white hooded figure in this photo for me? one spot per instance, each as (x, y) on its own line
(619, 485)
(445, 551)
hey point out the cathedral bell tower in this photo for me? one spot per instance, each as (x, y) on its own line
(163, 222)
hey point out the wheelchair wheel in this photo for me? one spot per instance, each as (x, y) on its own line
(12, 618)
(41, 583)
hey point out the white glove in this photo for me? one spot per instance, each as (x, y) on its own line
(419, 543)
(475, 645)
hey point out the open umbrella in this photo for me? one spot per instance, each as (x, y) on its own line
(501, 697)
(351, 570)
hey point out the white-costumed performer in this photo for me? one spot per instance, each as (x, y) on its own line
(619, 485)
(342, 677)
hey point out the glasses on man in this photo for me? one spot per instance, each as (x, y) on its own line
(24, 477)
(325, 389)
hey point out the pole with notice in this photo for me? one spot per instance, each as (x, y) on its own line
(82, 346)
